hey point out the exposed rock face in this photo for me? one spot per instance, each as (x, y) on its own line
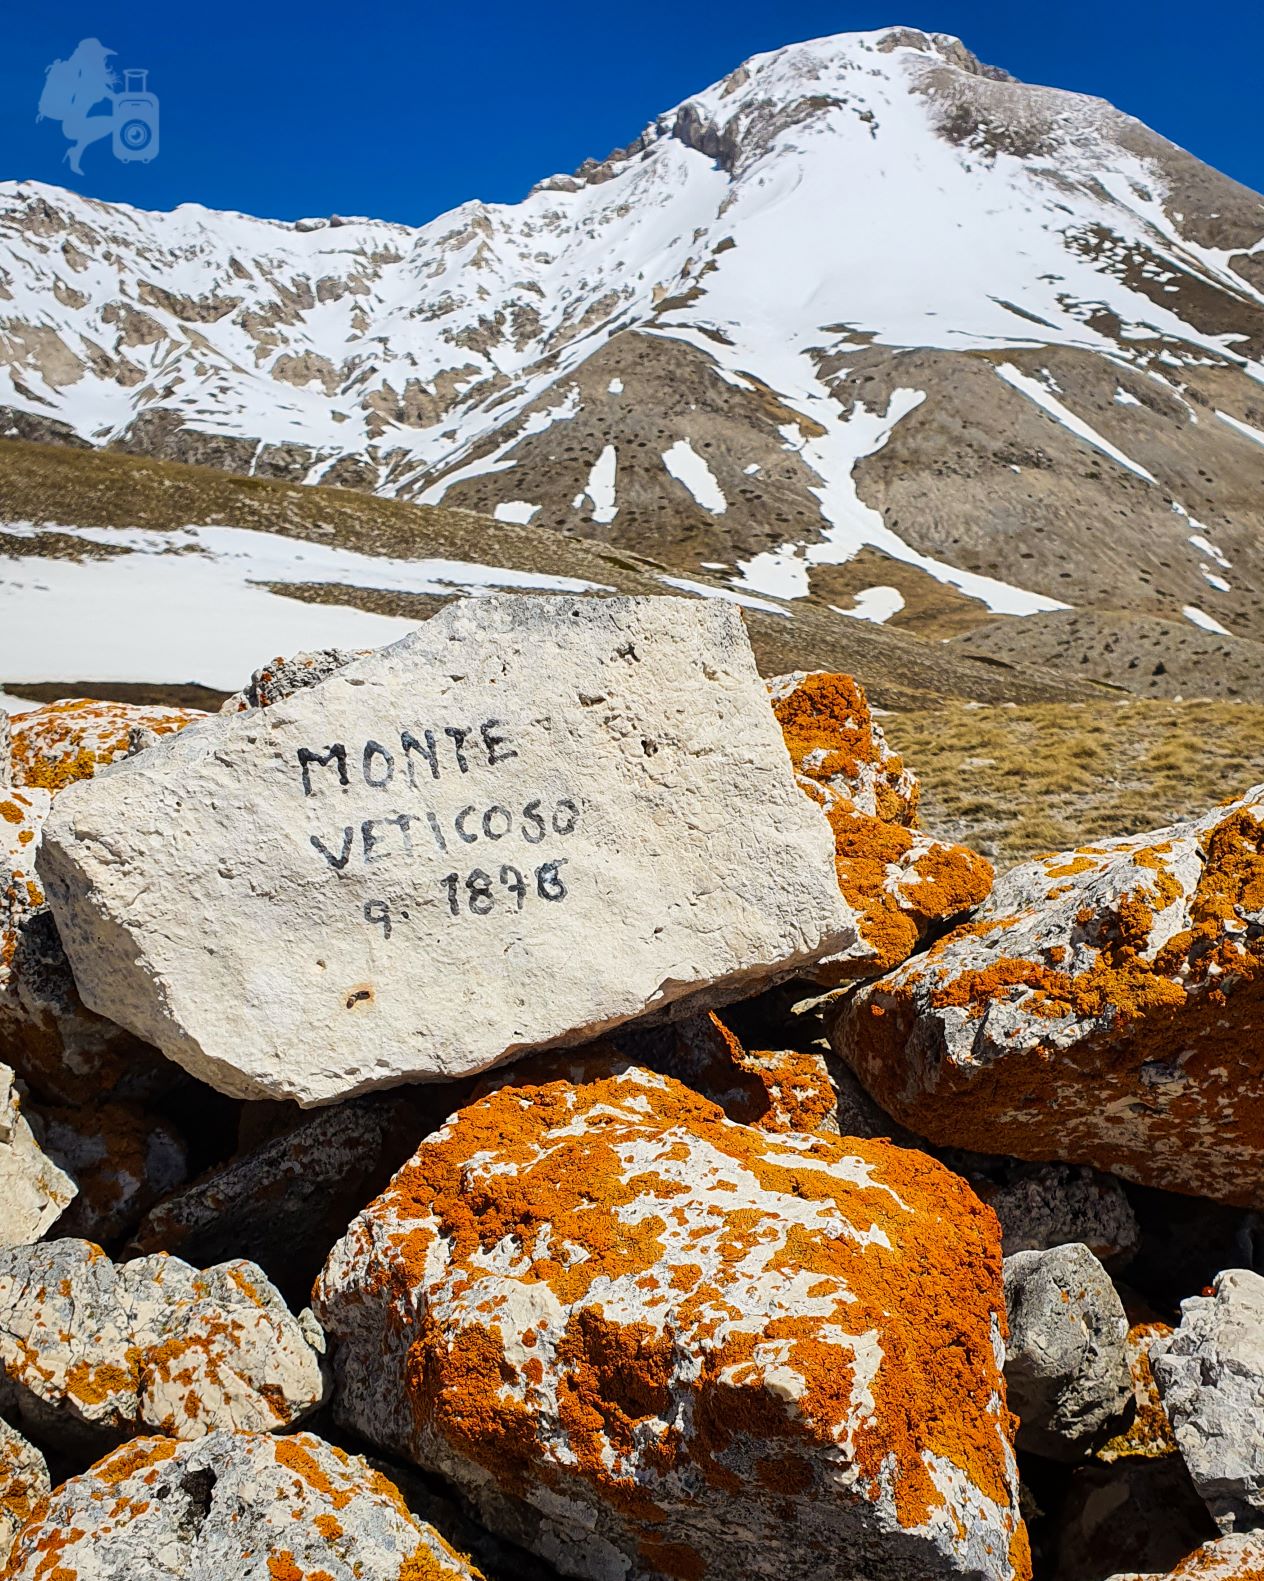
(244, 1505)
(23, 1483)
(34, 1191)
(122, 1157)
(91, 1351)
(1142, 1513)
(899, 881)
(1066, 1368)
(63, 742)
(284, 1202)
(1045, 1205)
(644, 1340)
(1236, 1557)
(1100, 1008)
(1211, 1380)
(1149, 1434)
(571, 811)
(273, 683)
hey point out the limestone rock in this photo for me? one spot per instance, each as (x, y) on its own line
(6, 748)
(899, 881)
(1236, 1557)
(62, 1051)
(1211, 1381)
(1045, 1205)
(273, 683)
(1149, 1434)
(283, 1203)
(23, 1483)
(242, 1505)
(643, 1340)
(60, 743)
(1142, 1513)
(529, 821)
(1066, 1369)
(122, 1157)
(91, 1351)
(1100, 1008)
(33, 1190)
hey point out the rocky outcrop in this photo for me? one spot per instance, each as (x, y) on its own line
(1066, 1369)
(60, 743)
(35, 1192)
(512, 795)
(1210, 1377)
(245, 1505)
(1099, 1008)
(91, 1351)
(644, 1340)
(900, 882)
(274, 682)
(23, 1483)
(123, 1158)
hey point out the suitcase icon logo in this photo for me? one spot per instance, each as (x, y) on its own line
(83, 94)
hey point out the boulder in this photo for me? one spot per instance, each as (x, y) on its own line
(529, 821)
(34, 1191)
(1237, 1557)
(23, 1483)
(1101, 1008)
(1139, 1513)
(643, 1340)
(1210, 1377)
(91, 1351)
(1148, 1435)
(1066, 1369)
(122, 1157)
(284, 1202)
(274, 682)
(245, 1506)
(60, 743)
(901, 883)
(1045, 1205)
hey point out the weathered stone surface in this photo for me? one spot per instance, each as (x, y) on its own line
(620, 832)
(91, 1350)
(60, 743)
(1236, 1557)
(1066, 1368)
(273, 683)
(285, 1202)
(1101, 1008)
(1211, 1381)
(63, 1052)
(122, 1157)
(33, 1190)
(6, 748)
(23, 1483)
(644, 1340)
(900, 882)
(1045, 1205)
(1149, 1434)
(1142, 1513)
(245, 1506)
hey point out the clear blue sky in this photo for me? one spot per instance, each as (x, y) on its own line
(404, 110)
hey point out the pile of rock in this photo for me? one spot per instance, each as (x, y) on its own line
(760, 1191)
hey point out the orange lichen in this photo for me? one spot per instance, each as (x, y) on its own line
(63, 742)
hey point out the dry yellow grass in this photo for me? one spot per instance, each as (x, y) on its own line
(1014, 781)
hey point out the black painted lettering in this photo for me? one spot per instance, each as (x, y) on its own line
(514, 882)
(531, 815)
(436, 831)
(450, 882)
(497, 812)
(459, 738)
(378, 912)
(386, 773)
(459, 822)
(565, 816)
(338, 862)
(498, 750)
(336, 753)
(370, 841)
(426, 746)
(404, 822)
(479, 885)
(548, 881)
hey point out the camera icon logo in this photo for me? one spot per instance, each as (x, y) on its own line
(75, 91)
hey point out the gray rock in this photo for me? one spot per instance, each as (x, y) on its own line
(1045, 1205)
(34, 1191)
(273, 683)
(1237, 1557)
(1140, 1513)
(6, 748)
(1066, 1366)
(242, 1505)
(122, 1157)
(23, 1483)
(527, 822)
(91, 1351)
(1210, 1377)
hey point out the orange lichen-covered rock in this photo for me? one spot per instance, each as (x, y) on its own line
(91, 1350)
(646, 1341)
(1149, 1433)
(244, 1506)
(900, 882)
(23, 1483)
(1237, 1557)
(60, 743)
(122, 1157)
(282, 677)
(1102, 1008)
(60, 1049)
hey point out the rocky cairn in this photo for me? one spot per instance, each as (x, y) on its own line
(764, 1190)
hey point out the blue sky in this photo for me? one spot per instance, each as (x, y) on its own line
(404, 110)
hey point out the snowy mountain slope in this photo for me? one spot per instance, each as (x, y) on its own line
(866, 322)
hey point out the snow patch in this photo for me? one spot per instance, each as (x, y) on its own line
(615, 387)
(876, 604)
(729, 595)
(1035, 391)
(687, 467)
(1243, 428)
(519, 511)
(1199, 617)
(600, 489)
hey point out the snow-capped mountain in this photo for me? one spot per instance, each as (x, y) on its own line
(866, 320)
